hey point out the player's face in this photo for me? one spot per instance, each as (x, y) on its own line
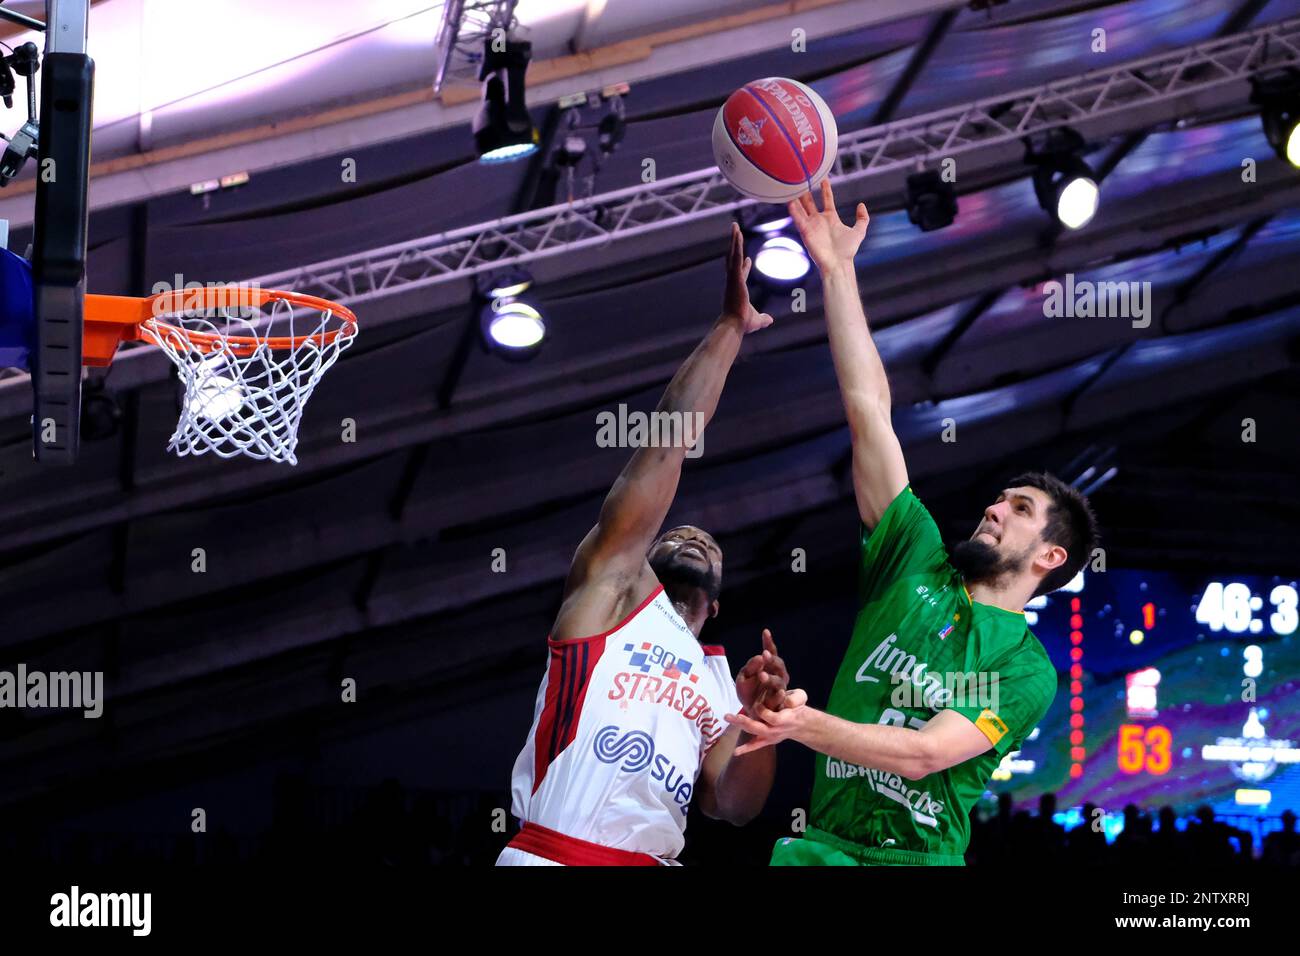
(1013, 524)
(688, 555)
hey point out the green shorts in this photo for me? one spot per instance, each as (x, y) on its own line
(819, 848)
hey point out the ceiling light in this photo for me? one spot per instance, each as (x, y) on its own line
(503, 128)
(781, 259)
(1065, 185)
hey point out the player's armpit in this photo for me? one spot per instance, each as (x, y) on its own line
(950, 738)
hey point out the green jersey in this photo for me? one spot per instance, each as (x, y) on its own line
(920, 645)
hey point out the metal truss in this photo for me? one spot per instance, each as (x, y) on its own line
(466, 27)
(1137, 95)
(1170, 78)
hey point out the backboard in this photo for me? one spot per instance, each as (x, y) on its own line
(59, 230)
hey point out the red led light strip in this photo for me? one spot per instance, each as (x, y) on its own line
(1077, 750)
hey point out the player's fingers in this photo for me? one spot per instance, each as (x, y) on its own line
(863, 217)
(747, 724)
(773, 663)
(772, 700)
(828, 197)
(768, 643)
(795, 698)
(765, 714)
(810, 207)
(750, 747)
(744, 270)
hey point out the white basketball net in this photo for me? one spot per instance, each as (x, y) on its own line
(246, 399)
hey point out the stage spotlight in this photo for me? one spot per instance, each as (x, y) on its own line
(773, 225)
(1065, 185)
(505, 284)
(503, 129)
(931, 202)
(781, 260)
(513, 328)
(1077, 195)
(1278, 97)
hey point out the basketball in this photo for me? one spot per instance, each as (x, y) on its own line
(774, 138)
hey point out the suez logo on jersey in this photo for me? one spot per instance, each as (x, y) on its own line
(634, 751)
(671, 686)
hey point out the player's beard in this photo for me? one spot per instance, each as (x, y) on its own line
(677, 575)
(981, 563)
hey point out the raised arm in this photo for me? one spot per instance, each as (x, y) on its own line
(639, 500)
(879, 472)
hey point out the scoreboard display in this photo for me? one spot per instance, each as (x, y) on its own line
(1176, 689)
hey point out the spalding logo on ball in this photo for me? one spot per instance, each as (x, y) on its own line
(774, 139)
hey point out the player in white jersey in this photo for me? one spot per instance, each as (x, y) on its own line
(628, 730)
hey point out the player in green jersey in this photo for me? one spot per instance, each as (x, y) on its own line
(942, 676)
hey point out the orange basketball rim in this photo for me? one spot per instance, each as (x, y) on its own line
(246, 382)
(111, 320)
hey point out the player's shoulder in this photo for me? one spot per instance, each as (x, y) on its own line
(1010, 645)
(1031, 658)
(903, 508)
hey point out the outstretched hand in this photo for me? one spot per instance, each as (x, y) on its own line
(735, 301)
(829, 241)
(767, 726)
(764, 678)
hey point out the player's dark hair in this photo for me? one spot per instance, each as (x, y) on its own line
(1070, 524)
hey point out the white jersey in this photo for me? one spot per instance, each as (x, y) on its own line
(621, 726)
